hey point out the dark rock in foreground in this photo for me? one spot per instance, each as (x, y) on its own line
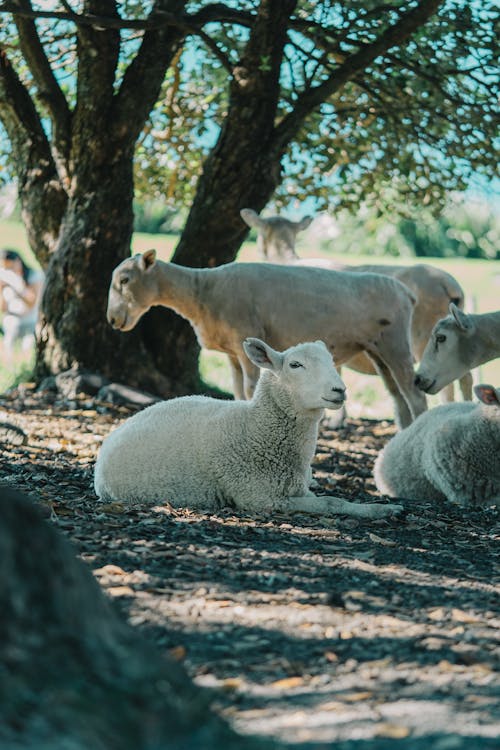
(72, 674)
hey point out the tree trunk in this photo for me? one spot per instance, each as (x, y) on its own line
(73, 331)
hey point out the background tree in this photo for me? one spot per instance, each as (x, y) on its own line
(315, 96)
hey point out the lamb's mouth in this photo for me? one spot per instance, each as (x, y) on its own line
(336, 401)
(428, 388)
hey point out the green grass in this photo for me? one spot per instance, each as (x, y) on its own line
(367, 396)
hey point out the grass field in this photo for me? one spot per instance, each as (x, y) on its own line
(367, 396)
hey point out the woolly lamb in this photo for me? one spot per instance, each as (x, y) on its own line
(253, 455)
(451, 452)
(457, 344)
(285, 305)
(433, 288)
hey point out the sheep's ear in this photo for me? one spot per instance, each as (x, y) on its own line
(303, 223)
(262, 355)
(487, 394)
(461, 319)
(252, 218)
(147, 259)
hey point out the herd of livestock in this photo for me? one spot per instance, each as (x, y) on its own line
(287, 326)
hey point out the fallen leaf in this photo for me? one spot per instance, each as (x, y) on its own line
(178, 653)
(380, 540)
(288, 682)
(393, 731)
(355, 697)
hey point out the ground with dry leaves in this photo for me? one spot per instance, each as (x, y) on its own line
(371, 634)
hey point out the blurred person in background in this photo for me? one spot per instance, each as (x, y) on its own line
(20, 294)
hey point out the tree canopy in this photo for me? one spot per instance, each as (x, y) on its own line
(218, 106)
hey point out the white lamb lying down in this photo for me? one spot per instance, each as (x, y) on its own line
(253, 455)
(451, 452)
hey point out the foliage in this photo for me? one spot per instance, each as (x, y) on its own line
(417, 119)
(465, 228)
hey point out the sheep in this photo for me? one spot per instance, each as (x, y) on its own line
(451, 452)
(433, 288)
(457, 344)
(252, 455)
(282, 304)
(276, 235)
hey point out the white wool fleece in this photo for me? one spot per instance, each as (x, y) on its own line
(451, 452)
(255, 455)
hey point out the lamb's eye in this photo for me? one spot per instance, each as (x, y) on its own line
(440, 338)
(295, 365)
(124, 281)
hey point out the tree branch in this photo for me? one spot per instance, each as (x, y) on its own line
(356, 62)
(49, 91)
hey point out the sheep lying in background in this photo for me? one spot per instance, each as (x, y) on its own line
(254, 455)
(284, 305)
(433, 288)
(451, 452)
(457, 344)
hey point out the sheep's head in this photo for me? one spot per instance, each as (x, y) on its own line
(133, 290)
(306, 371)
(276, 235)
(447, 355)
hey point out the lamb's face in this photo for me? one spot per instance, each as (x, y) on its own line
(309, 373)
(306, 371)
(132, 291)
(446, 356)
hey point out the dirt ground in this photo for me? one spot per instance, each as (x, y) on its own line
(366, 634)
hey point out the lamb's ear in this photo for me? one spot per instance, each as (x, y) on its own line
(252, 218)
(303, 223)
(147, 259)
(487, 394)
(263, 355)
(461, 319)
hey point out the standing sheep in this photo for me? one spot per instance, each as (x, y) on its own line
(252, 455)
(433, 288)
(451, 452)
(457, 344)
(285, 305)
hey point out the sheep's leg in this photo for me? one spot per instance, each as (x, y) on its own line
(402, 413)
(466, 382)
(398, 367)
(323, 505)
(447, 394)
(237, 377)
(250, 376)
(335, 506)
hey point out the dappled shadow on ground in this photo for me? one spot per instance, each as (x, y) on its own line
(373, 634)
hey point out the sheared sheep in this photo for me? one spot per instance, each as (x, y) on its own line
(457, 344)
(451, 452)
(282, 304)
(433, 288)
(253, 455)
(276, 236)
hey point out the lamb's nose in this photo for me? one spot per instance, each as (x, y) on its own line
(112, 321)
(418, 381)
(340, 391)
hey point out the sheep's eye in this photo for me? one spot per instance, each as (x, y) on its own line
(440, 338)
(295, 365)
(124, 281)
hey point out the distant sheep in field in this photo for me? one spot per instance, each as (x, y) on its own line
(451, 452)
(252, 455)
(284, 305)
(433, 288)
(457, 344)
(276, 236)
